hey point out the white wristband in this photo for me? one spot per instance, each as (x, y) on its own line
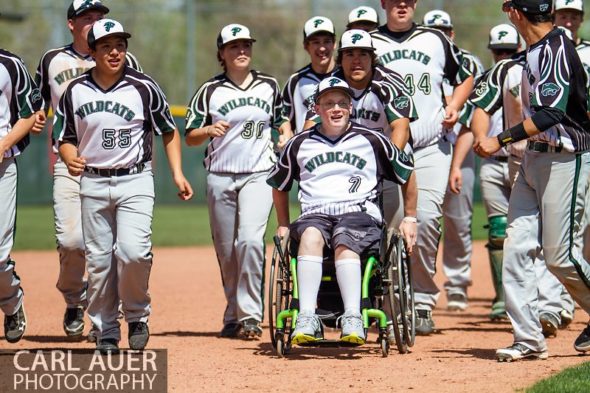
(410, 219)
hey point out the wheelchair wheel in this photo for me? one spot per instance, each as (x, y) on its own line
(409, 319)
(279, 291)
(384, 346)
(397, 292)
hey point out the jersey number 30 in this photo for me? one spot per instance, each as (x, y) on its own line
(251, 128)
(110, 139)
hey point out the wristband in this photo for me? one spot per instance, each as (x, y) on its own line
(511, 135)
(411, 219)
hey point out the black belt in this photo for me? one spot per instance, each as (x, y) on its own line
(499, 158)
(110, 172)
(543, 147)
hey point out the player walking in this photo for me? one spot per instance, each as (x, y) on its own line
(339, 200)
(547, 198)
(236, 111)
(19, 100)
(424, 57)
(57, 68)
(105, 123)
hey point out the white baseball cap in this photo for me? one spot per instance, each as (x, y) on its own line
(78, 7)
(233, 32)
(437, 18)
(503, 36)
(363, 14)
(105, 28)
(318, 24)
(356, 39)
(577, 5)
(329, 84)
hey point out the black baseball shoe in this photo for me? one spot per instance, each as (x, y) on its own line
(231, 330)
(92, 334)
(139, 334)
(15, 325)
(74, 321)
(582, 343)
(251, 328)
(108, 346)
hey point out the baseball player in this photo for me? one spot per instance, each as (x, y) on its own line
(105, 122)
(457, 208)
(339, 166)
(57, 68)
(319, 38)
(19, 100)
(363, 18)
(236, 112)
(548, 195)
(424, 57)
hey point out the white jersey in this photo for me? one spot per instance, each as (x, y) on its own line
(342, 175)
(253, 113)
(583, 49)
(114, 128)
(298, 96)
(424, 57)
(19, 98)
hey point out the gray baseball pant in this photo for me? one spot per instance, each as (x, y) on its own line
(457, 246)
(116, 219)
(11, 296)
(545, 211)
(68, 231)
(239, 207)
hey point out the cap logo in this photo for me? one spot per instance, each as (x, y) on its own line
(235, 31)
(544, 7)
(435, 17)
(334, 81)
(568, 1)
(356, 37)
(317, 22)
(108, 26)
(502, 34)
(87, 3)
(363, 12)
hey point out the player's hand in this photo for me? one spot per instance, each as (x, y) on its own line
(218, 129)
(76, 166)
(282, 231)
(451, 117)
(283, 139)
(409, 231)
(487, 146)
(455, 180)
(40, 119)
(185, 191)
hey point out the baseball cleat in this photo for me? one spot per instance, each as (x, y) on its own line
(92, 334)
(424, 323)
(353, 330)
(15, 325)
(307, 329)
(549, 324)
(138, 335)
(519, 351)
(251, 328)
(231, 330)
(457, 302)
(566, 318)
(582, 343)
(74, 321)
(108, 346)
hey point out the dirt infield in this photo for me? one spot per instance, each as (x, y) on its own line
(187, 308)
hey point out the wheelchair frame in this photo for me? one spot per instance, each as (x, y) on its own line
(392, 287)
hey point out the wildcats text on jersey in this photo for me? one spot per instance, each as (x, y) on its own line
(105, 106)
(246, 101)
(408, 54)
(339, 156)
(69, 74)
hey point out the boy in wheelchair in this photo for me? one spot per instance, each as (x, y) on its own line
(339, 166)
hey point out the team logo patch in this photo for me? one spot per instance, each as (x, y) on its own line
(36, 96)
(401, 102)
(482, 89)
(356, 37)
(363, 12)
(544, 7)
(235, 31)
(317, 22)
(108, 26)
(549, 89)
(502, 34)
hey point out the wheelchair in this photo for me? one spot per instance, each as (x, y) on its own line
(387, 295)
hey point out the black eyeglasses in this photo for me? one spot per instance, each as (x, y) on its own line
(507, 6)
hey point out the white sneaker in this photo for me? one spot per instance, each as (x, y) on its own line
(457, 302)
(353, 330)
(519, 351)
(307, 329)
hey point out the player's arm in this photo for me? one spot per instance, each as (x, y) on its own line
(20, 129)
(462, 147)
(460, 95)
(408, 227)
(173, 152)
(196, 136)
(480, 124)
(400, 132)
(69, 155)
(285, 133)
(281, 203)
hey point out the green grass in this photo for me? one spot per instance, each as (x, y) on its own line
(571, 380)
(173, 225)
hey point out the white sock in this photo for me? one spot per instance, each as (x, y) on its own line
(309, 278)
(348, 273)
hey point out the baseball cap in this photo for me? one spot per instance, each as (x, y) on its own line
(577, 5)
(233, 32)
(329, 84)
(363, 14)
(318, 24)
(78, 7)
(534, 7)
(503, 36)
(437, 18)
(105, 28)
(356, 39)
